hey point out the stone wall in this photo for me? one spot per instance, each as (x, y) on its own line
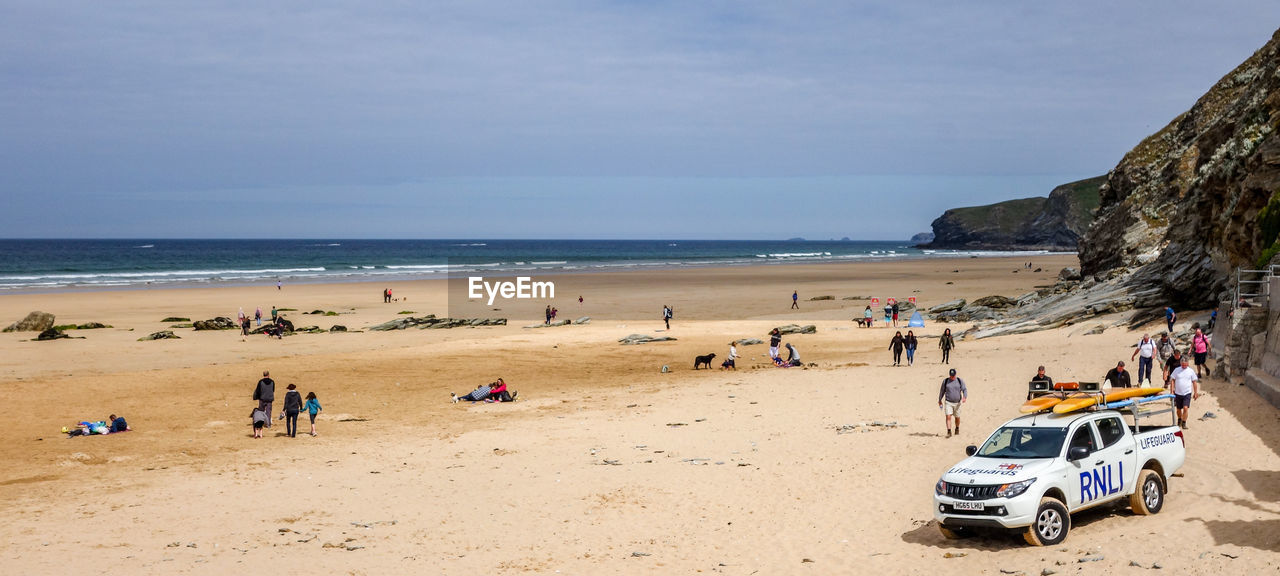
(1261, 327)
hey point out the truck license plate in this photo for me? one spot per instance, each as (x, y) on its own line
(970, 506)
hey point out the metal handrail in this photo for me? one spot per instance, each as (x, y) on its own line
(1265, 281)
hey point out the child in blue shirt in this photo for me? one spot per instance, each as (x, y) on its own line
(312, 407)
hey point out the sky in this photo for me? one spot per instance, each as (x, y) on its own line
(625, 119)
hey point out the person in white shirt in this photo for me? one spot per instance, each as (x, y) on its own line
(732, 361)
(1147, 348)
(1185, 385)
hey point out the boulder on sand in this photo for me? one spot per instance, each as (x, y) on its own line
(644, 339)
(161, 335)
(51, 334)
(797, 329)
(34, 322)
(948, 306)
(219, 323)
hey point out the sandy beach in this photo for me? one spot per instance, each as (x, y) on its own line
(605, 465)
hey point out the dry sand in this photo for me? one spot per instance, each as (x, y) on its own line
(605, 465)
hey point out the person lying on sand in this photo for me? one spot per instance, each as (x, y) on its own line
(491, 392)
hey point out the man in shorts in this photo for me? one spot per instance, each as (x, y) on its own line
(1185, 385)
(950, 397)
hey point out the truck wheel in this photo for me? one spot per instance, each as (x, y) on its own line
(1149, 497)
(954, 533)
(1050, 525)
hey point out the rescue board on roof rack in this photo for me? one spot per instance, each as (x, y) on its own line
(1085, 400)
(1046, 399)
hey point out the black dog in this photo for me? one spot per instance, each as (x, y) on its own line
(700, 360)
(861, 322)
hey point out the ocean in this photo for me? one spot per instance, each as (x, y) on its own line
(56, 265)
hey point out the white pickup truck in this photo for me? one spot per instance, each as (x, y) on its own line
(1036, 470)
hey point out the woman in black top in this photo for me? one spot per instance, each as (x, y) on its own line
(911, 343)
(292, 405)
(946, 343)
(896, 345)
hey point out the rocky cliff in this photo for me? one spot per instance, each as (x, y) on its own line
(1053, 223)
(1180, 211)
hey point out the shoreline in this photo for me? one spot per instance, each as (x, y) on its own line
(583, 269)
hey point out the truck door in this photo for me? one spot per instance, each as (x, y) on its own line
(1117, 454)
(1080, 472)
(1107, 472)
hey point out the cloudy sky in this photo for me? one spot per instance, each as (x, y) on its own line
(583, 119)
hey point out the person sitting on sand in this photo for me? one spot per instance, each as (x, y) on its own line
(118, 424)
(480, 393)
(498, 392)
(793, 356)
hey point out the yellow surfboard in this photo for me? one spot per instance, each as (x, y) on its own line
(1041, 404)
(1081, 400)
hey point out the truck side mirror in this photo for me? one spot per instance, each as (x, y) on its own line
(970, 450)
(1077, 453)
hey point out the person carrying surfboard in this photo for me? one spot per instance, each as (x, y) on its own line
(952, 394)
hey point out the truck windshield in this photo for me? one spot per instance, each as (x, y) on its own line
(1010, 442)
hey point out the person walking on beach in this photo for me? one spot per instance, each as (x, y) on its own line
(265, 394)
(279, 286)
(1169, 317)
(1213, 319)
(274, 313)
(1174, 361)
(731, 363)
(667, 313)
(1200, 348)
(888, 313)
(292, 406)
(952, 394)
(775, 339)
(946, 343)
(1118, 376)
(312, 407)
(240, 315)
(867, 317)
(896, 345)
(895, 313)
(244, 327)
(1147, 348)
(1164, 349)
(257, 315)
(554, 312)
(795, 300)
(1185, 387)
(579, 300)
(911, 343)
(548, 314)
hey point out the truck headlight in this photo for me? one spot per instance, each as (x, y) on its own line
(940, 488)
(1015, 489)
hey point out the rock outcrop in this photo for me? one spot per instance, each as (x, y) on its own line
(797, 329)
(34, 322)
(219, 323)
(161, 335)
(1053, 223)
(431, 322)
(1181, 210)
(51, 334)
(644, 339)
(922, 238)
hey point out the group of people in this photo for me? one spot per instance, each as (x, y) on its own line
(492, 392)
(775, 340)
(265, 394)
(552, 313)
(275, 328)
(910, 343)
